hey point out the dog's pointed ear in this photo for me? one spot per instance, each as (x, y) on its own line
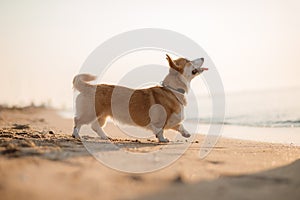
(171, 62)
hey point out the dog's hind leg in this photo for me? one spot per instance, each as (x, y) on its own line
(97, 127)
(76, 129)
(75, 133)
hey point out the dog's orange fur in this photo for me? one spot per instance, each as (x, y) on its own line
(139, 103)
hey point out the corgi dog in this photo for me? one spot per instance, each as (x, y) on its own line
(156, 108)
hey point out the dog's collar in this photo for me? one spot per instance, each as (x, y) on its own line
(179, 90)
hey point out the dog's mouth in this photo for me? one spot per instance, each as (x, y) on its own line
(196, 71)
(203, 69)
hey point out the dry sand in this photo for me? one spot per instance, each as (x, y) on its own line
(40, 160)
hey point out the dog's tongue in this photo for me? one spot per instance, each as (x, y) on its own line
(204, 68)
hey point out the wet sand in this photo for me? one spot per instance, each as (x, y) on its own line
(40, 160)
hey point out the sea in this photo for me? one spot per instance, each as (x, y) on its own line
(266, 108)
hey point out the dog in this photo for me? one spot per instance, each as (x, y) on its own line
(156, 108)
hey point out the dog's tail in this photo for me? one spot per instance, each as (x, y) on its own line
(80, 83)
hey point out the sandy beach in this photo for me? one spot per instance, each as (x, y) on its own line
(40, 160)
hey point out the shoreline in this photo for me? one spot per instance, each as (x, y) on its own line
(282, 135)
(279, 135)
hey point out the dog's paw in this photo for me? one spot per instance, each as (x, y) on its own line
(186, 135)
(76, 136)
(163, 140)
(104, 137)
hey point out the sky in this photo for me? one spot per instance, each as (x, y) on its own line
(254, 44)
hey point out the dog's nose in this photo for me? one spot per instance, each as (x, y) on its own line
(202, 59)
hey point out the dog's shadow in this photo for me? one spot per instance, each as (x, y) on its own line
(16, 143)
(94, 145)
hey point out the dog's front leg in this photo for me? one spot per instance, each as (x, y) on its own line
(182, 130)
(158, 118)
(158, 132)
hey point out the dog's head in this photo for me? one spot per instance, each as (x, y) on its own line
(188, 69)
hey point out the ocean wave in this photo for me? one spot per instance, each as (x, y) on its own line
(251, 123)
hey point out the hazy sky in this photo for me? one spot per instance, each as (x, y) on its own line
(254, 44)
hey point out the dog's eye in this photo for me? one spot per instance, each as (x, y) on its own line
(195, 71)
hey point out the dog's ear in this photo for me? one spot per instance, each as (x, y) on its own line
(171, 62)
